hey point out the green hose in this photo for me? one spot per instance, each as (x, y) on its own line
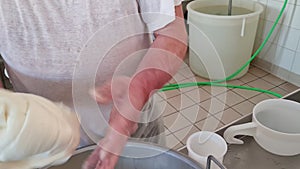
(183, 85)
(219, 82)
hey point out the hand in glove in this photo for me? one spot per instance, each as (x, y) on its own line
(128, 98)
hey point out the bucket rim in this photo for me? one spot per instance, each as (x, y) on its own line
(259, 10)
(148, 146)
(276, 102)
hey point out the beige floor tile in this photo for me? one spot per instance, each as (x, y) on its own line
(166, 108)
(262, 84)
(257, 72)
(187, 89)
(251, 66)
(273, 80)
(236, 82)
(230, 98)
(195, 113)
(289, 87)
(183, 134)
(180, 102)
(201, 79)
(228, 116)
(259, 98)
(183, 66)
(214, 90)
(213, 105)
(279, 91)
(178, 146)
(209, 124)
(167, 131)
(248, 77)
(244, 108)
(198, 95)
(162, 94)
(172, 142)
(186, 59)
(178, 77)
(175, 122)
(171, 93)
(159, 96)
(246, 93)
(172, 81)
(274, 97)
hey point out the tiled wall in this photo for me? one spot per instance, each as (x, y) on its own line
(281, 54)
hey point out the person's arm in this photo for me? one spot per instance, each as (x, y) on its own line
(165, 55)
(130, 94)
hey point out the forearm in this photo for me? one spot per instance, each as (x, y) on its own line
(157, 67)
(165, 55)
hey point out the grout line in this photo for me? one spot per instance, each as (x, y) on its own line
(209, 114)
(181, 148)
(227, 106)
(180, 140)
(195, 101)
(170, 114)
(172, 132)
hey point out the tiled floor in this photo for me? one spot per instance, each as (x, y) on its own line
(208, 108)
(192, 109)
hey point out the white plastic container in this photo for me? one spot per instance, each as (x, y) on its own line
(220, 44)
(204, 143)
(275, 127)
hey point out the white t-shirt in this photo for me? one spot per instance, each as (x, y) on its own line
(41, 41)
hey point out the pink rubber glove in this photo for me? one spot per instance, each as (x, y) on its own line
(128, 98)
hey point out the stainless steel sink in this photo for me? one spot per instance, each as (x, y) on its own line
(138, 155)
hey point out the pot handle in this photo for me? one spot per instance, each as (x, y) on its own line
(243, 27)
(248, 129)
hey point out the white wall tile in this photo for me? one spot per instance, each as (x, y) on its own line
(267, 25)
(284, 58)
(277, 55)
(268, 52)
(298, 49)
(273, 9)
(289, 15)
(296, 67)
(289, 37)
(264, 3)
(293, 2)
(256, 45)
(295, 18)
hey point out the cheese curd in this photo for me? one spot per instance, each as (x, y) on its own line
(35, 132)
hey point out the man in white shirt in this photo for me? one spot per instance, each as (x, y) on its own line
(42, 41)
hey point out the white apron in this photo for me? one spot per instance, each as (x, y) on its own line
(41, 43)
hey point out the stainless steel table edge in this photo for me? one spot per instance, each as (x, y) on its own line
(258, 158)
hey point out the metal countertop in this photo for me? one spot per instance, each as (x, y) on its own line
(250, 155)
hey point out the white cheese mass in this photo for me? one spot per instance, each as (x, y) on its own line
(35, 132)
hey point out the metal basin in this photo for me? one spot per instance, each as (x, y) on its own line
(138, 155)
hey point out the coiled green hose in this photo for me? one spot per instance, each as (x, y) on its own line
(219, 82)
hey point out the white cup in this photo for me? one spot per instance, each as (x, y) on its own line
(275, 127)
(204, 143)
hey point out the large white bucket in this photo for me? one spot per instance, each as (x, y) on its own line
(220, 44)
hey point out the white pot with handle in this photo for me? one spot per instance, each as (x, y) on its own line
(275, 127)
